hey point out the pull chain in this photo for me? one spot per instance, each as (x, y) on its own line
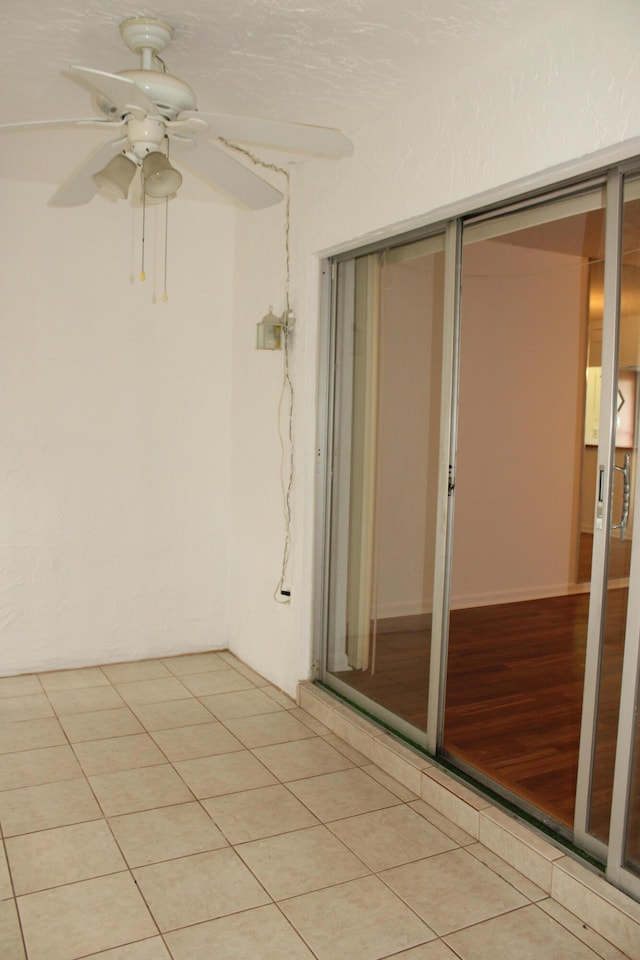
(144, 218)
(165, 295)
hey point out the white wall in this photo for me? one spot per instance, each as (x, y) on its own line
(114, 433)
(546, 97)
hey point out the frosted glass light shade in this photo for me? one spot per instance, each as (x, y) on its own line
(114, 179)
(159, 178)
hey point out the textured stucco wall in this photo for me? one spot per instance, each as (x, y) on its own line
(114, 434)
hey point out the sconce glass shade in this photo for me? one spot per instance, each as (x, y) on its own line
(159, 178)
(114, 179)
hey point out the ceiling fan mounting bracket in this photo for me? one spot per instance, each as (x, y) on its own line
(146, 34)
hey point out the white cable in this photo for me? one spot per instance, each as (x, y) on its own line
(286, 465)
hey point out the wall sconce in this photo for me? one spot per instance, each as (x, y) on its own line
(271, 330)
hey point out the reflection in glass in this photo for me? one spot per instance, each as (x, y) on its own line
(524, 501)
(384, 494)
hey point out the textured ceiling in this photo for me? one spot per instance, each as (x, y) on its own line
(329, 62)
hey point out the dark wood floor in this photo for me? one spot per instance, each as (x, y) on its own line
(514, 694)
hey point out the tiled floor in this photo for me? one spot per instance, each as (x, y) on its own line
(184, 808)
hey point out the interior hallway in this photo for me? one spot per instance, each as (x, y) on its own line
(184, 808)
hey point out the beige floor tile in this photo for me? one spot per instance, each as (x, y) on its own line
(254, 814)
(153, 949)
(133, 790)
(259, 934)
(136, 670)
(6, 890)
(230, 658)
(581, 930)
(241, 703)
(303, 758)
(46, 806)
(19, 686)
(442, 823)
(73, 679)
(347, 793)
(31, 706)
(166, 834)
(397, 789)
(100, 724)
(526, 887)
(153, 691)
(11, 946)
(85, 700)
(51, 858)
(84, 918)
(362, 919)
(357, 758)
(227, 773)
(118, 753)
(452, 890)
(527, 934)
(202, 887)
(216, 681)
(29, 734)
(172, 713)
(44, 765)
(312, 723)
(195, 663)
(200, 740)
(299, 862)
(389, 837)
(436, 950)
(259, 681)
(271, 728)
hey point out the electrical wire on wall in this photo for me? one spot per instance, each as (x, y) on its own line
(281, 592)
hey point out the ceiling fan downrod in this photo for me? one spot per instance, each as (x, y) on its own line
(147, 37)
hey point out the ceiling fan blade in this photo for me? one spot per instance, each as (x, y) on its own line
(43, 124)
(323, 141)
(234, 178)
(124, 93)
(79, 188)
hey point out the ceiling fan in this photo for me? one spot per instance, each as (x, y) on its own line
(151, 111)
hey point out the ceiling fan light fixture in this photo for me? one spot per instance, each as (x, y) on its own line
(114, 179)
(159, 178)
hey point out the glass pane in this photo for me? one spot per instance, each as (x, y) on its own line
(385, 476)
(524, 502)
(619, 559)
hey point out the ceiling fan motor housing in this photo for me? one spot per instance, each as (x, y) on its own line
(149, 37)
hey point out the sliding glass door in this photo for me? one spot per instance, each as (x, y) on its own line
(615, 755)
(524, 508)
(386, 455)
(482, 594)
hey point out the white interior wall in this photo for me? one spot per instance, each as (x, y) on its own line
(114, 431)
(546, 97)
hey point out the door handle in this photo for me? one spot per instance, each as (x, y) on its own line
(626, 497)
